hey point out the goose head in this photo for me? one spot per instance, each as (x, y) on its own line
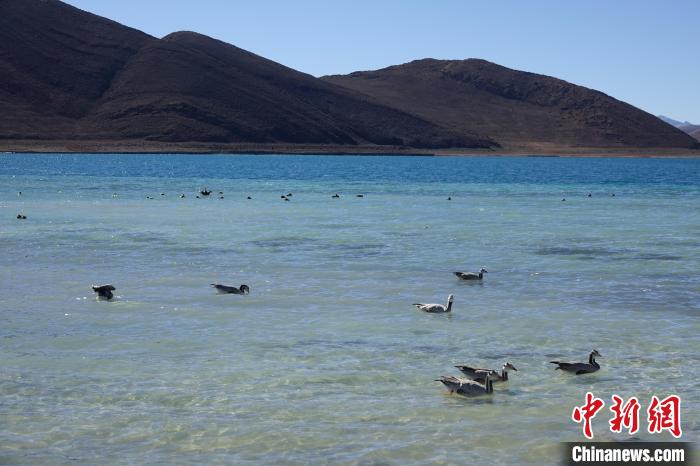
(483, 270)
(244, 289)
(509, 367)
(596, 354)
(450, 298)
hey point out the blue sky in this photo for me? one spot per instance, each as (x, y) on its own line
(646, 53)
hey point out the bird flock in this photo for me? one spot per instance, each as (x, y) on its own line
(475, 381)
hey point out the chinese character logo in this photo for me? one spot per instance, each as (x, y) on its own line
(626, 416)
(662, 415)
(587, 412)
(665, 415)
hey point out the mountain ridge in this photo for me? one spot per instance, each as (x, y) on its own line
(511, 106)
(66, 74)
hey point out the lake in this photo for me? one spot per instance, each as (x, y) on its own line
(326, 360)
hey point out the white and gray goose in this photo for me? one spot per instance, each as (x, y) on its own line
(436, 308)
(464, 386)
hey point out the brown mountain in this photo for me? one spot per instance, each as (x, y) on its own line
(70, 75)
(67, 74)
(188, 87)
(55, 64)
(513, 107)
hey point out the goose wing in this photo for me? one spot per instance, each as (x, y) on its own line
(431, 307)
(470, 371)
(467, 275)
(451, 382)
(461, 385)
(102, 288)
(225, 288)
(478, 374)
(575, 367)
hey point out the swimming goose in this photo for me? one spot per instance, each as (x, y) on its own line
(205, 192)
(464, 386)
(436, 307)
(223, 289)
(478, 374)
(472, 275)
(580, 367)
(104, 291)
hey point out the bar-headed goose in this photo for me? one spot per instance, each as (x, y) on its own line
(436, 308)
(104, 291)
(580, 367)
(464, 386)
(472, 275)
(478, 374)
(224, 289)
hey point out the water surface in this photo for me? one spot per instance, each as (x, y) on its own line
(326, 361)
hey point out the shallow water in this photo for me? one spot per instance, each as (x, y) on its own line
(326, 361)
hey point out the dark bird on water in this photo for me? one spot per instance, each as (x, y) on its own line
(104, 291)
(335, 196)
(205, 192)
(580, 367)
(223, 289)
(472, 275)
(21, 217)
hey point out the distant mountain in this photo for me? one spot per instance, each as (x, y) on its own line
(512, 107)
(70, 75)
(693, 130)
(673, 122)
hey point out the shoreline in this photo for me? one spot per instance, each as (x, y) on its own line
(164, 148)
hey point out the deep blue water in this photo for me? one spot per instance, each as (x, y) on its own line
(504, 170)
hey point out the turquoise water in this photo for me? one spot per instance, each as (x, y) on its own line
(326, 361)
